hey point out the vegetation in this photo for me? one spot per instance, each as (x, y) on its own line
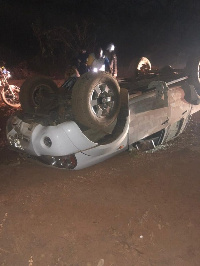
(48, 34)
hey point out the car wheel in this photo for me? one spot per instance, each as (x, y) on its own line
(10, 96)
(96, 100)
(193, 71)
(139, 66)
(38, 94)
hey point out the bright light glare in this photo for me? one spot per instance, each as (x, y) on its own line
(102, 68)
(144, 61)
(112, 48)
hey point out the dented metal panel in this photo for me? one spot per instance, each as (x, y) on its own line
(149, 113)
(161, 107)
(178, 107)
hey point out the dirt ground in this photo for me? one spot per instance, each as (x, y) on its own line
(135, 209)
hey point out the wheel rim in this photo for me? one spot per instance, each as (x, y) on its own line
(198, 71)
(102, 101)
(41, 91)
(11, 96)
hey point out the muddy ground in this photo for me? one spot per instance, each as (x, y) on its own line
(135, 209)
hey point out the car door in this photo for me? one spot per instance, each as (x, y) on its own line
(149, 112)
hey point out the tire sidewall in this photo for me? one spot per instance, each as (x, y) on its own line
(192, 69)
(28, 89)
(81, 96)
(17, 105)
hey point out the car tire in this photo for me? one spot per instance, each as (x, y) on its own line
(193, 71)
(133, 70)
(11, 96)
(38, 95)
(96, 100)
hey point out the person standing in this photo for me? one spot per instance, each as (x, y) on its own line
(111, 60)
(96, 60)
(81, 61)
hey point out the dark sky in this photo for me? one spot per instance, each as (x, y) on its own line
(147, 27)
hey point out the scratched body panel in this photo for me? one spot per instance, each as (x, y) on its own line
(148, 114)
(178, 107)
(157, 110)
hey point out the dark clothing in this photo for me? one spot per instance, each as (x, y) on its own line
(107, 65)
(111, 62)
(81, 63)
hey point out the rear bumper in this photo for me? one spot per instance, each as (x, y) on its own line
(63, 145)
(37, 140)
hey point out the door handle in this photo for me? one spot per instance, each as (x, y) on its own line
(165, 122)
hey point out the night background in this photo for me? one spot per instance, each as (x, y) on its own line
(138, 208)
(45, 36)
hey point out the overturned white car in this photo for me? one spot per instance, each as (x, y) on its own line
(94, 117)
